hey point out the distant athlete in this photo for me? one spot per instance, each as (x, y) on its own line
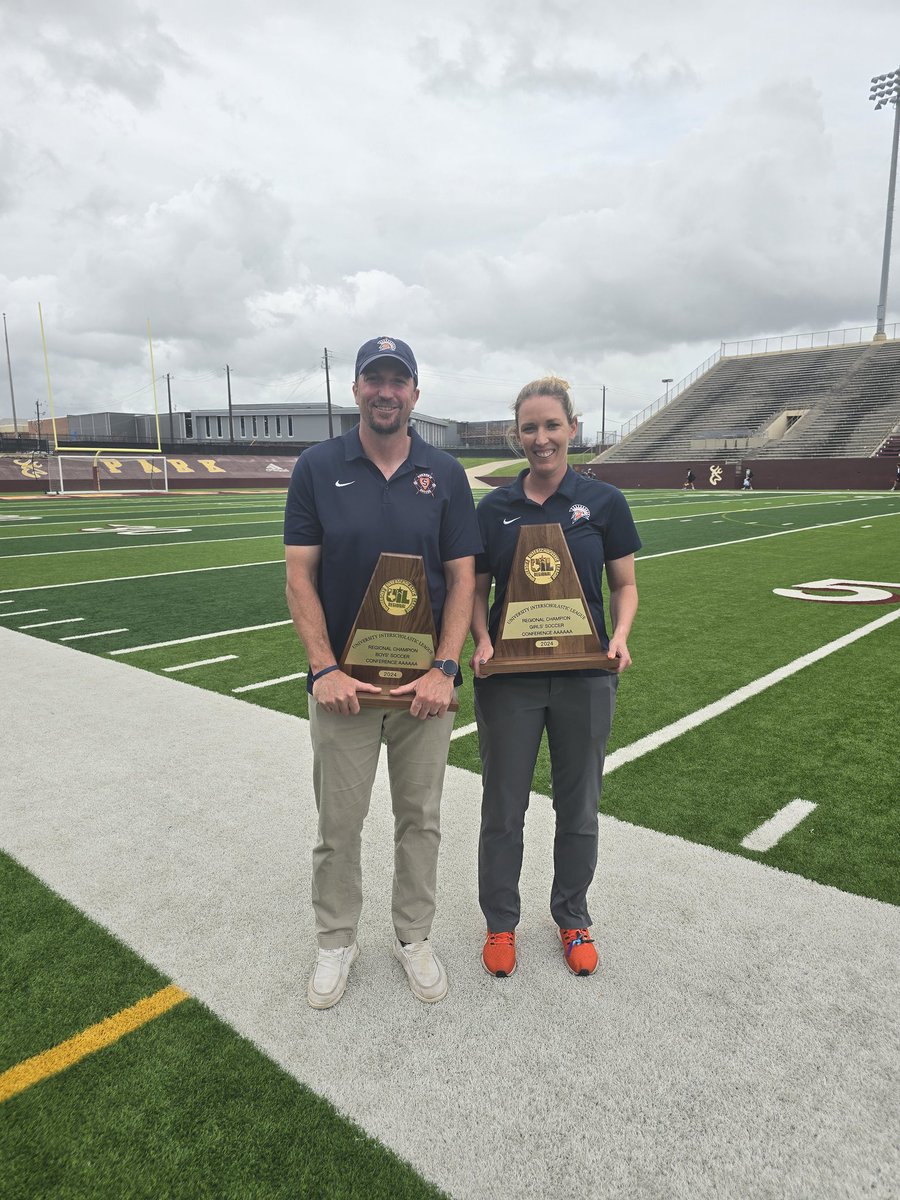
(746, 485)
(689, 480)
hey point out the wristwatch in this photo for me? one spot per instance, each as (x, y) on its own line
(447, 665)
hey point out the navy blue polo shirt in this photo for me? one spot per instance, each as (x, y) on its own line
(339, 500)
(596, 522)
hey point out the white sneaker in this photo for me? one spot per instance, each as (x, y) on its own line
(423, 968)
(328, 980)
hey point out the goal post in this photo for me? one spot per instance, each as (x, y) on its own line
(79, 475)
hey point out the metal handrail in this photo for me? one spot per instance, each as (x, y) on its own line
(819, 340)
(669, 396)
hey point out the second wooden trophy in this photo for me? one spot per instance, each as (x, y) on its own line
(545, 624)
(393, 639)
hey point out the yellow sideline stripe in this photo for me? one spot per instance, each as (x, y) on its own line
(104, 1033)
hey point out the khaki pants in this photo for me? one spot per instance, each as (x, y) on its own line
(345, 758)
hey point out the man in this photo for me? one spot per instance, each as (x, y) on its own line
(379, 488)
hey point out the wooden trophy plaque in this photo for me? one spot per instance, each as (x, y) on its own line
(545, 624)
(393, 639)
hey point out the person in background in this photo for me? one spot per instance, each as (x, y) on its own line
(574, 707)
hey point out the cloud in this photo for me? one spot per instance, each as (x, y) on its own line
(96, 46)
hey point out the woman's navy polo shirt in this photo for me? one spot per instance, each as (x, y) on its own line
(596, 522)
(339, 500)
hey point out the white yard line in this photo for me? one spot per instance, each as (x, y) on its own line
(718, 512)
(201, 662)
(46, 624)
(463, 731)
(79, 637)
(760, 537)
(46, 587)
(668, 733)
(773, 830)
(253, 537)
(200, 637)
(252, 687)
(22, 612)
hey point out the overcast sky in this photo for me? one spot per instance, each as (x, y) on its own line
(605, 191)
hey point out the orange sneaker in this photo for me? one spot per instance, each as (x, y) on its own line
(499, 954)
(581, 953)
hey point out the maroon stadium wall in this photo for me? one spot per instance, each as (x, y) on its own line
(22, 473)
(785, 474)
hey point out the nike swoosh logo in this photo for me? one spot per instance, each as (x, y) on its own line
(337, 483)
(509, 520)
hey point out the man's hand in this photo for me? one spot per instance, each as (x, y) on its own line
(337, 692)
(432, 693)
(618, 651)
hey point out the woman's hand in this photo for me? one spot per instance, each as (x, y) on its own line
(484, 652)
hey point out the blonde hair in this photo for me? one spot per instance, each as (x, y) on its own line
(549, 385)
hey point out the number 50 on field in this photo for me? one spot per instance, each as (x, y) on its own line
(843, 591)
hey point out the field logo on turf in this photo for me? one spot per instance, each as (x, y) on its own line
(843, 591)
(133, 530)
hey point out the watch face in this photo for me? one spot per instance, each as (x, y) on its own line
(449, 667)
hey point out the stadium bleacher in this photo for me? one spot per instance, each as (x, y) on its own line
(834, 402)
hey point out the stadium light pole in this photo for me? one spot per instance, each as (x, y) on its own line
(886, 90)
(667, 381)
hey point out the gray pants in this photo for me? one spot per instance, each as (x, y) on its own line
(512, 712)
(345, 759)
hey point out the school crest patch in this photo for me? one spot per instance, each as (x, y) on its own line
(424, 483)
(579, 512)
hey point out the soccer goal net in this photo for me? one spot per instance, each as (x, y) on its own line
(79, 475)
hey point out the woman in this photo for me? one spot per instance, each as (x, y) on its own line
(575, 707)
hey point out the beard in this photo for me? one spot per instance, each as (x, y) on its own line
(385, 424)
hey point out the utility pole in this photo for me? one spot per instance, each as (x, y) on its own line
(169, 393)
(12, 394)
(230, 416)
(37, 409)
(603, 420)
(328, 395)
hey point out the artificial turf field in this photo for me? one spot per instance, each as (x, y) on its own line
(151, 1115)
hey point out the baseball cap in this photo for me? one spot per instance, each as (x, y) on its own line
(385, 347)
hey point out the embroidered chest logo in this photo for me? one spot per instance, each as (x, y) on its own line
(578, 512)
(424, 483)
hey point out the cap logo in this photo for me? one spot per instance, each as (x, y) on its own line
(386, 344)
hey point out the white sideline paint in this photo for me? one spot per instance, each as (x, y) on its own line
(729, 512)
(252, 687)
(79, 637)
(252, 537)
(201, 662)
(45, 624)
(22, 612)
(200, 637)
(668, 733)
(773, 830)
(47, 587)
